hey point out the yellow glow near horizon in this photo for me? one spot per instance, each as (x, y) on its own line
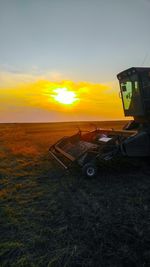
(25, 99)
(64, 96)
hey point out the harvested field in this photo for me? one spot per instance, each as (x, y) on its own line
(53, 218)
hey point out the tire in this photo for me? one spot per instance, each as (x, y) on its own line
(89, 170)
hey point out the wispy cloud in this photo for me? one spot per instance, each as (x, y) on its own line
(32, 93)
(11, 76)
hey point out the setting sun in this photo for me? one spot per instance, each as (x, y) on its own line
(64, 96)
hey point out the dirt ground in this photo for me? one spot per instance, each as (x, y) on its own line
(49, 217)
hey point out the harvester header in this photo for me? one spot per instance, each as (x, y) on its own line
(90, 150)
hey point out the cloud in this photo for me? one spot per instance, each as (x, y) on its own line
(13, 77)
(31, 94)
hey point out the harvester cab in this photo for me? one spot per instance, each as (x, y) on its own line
(89, 150)
(135, 93)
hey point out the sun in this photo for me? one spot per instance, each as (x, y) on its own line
(64, 96)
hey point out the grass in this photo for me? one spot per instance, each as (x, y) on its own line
(52, 218)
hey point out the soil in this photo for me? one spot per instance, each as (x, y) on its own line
(50, 217)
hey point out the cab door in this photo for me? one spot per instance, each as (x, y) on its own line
(131, 98)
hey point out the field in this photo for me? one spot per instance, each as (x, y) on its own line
(53, 218)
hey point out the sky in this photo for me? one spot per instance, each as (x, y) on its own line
(52, 49)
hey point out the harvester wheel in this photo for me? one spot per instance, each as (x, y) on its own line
(89, 170)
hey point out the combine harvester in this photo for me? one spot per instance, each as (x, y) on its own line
(88, 150)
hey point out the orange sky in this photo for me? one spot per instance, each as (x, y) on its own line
(26, 98)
